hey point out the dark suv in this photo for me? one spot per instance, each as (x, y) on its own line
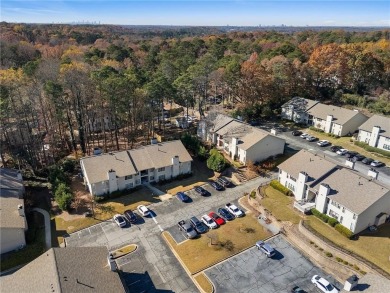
(129, 214)
(197, 225)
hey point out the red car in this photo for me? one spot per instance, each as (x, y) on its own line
(217, 218)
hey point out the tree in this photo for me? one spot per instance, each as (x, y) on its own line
(216, 161)
(63, 196)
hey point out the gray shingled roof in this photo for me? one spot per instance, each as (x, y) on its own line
(71, 269)
(340, 115)
(300, 104)
(304, 161)
(9, 179)
(9, 215)
(352, 190)
(130, 162)
(377, 120)
(220, 121)
(96, 167)
(372, 283)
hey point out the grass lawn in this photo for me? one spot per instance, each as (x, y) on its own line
(198, 254)
(280, 205)
(124, 250)
(346, 143)
(204, 283)
(374, 247)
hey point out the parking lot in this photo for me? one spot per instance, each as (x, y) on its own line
(252, 271)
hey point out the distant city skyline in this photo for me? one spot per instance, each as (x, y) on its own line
(200, 13)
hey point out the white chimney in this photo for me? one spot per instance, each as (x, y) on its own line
(349, 163)
(373, 173)
(111, 263)
(20, 210)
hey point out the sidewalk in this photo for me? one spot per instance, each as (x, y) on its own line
(155, 191)
(47, 226)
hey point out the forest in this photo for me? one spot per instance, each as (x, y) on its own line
(67, 88)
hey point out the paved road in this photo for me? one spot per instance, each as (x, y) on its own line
(252, 272)
(153, 267)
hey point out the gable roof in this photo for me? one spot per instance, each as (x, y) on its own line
(304, 161)
(96, 167)
(377, 120)
(300, 104)
(129, 162)
(159, 155)
(71, 269)
(352, 190)
(9, 179)
(220, 121)
(340, 115)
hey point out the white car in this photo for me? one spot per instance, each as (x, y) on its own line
(342, 152)
(143, 210)
(233, 209)
(310, 138)
(323, 284)
(304, 135)
(209, 222)
(119, 220)
(322, 143)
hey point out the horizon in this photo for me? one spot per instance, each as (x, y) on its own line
(220, 13)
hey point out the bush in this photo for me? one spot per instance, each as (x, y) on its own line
(339, 259)
(216, 161)
(276, 185)
(98, 198)
(343, 230)
(328, 254)
(316, 129)
(203, 154)
(372, 149)
(333, 222)
(253, 194)
(68, 165)
(345, 262)
(63, 196)
(321, 216)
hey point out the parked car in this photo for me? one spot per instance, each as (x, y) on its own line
(377, 164)
(224, 182)
(182, 196)
(216, 218)
(265, 248)
(209, 222)
(120, 220)
(323, 284)
(367, 161)
(234, 210)
(335, 148)
(201, 190)
(187, 229)
(358, 157)
(216, 185)
(311, 138)
(143, 210)
(351, 154)
(297, 289)
(296, 132)
(323, 143)
(342, 152)
(225, 214)
(304, 135)
(198, 225)
(131, 216)
(97, 151)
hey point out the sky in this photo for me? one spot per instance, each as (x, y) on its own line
(200, 12)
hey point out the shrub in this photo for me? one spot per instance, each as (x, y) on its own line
(328, 254)
(345, 262)
(372, 149)
(63, 196)
(68, 165)
(356, 268)
(253, 194)
(98, 198)
(316, 129)
(343, 230)
(339, 259)
(216, 161)
(321, 216)
(311, 242)
(363, 272)
(321, 249)
(332, 221)
(276, 185)
(203, 154)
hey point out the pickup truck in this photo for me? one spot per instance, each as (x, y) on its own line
(187, 229)
(234, 210)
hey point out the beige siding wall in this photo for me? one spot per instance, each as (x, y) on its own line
(11, 239)
(353, 124)
(269, 146)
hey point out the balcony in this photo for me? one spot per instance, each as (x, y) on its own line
(303, 206)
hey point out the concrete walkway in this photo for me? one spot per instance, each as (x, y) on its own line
(46, 216)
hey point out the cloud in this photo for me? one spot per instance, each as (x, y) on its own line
(30, 10)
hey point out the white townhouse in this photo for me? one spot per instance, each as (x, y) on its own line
(241, 141)
(336, 120)
(376, 132)
(356, 201)
(114, 171)
(13, 224)
(296, 109)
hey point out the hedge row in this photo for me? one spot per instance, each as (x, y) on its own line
(343, 230)
(276, 185)
(316, 129)
(372, 149)
(325, 218)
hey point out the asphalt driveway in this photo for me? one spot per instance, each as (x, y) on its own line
(251, 271)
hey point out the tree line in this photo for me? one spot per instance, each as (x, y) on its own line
(69, 88)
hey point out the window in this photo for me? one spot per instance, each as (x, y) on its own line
(128, 177)
(341, 220)
(161, 169)
(343, 209)
(129, 185)
(293, 179)
(386, 146)
(137, 181)
(151, 178)
(161, 177)
(354, 216)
